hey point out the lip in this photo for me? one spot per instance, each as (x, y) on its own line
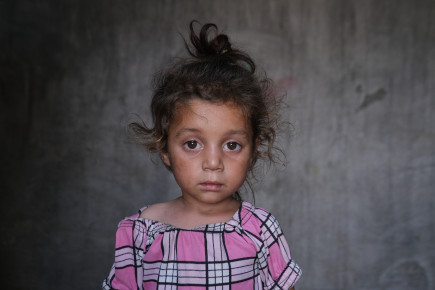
(211, 185)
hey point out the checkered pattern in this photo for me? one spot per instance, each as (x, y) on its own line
(247, 252)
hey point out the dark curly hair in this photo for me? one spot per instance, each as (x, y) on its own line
(218, 73)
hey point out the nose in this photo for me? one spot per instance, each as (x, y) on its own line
(212, 159)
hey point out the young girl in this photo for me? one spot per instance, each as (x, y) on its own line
(213, 119)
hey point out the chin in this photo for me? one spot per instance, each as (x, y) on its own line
(214, 197)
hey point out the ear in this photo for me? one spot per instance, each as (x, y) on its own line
(166, 159)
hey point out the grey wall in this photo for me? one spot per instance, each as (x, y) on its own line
(356, 199)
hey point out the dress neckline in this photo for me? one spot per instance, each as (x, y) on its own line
(235, 221)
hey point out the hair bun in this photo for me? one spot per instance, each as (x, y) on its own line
(207, 47)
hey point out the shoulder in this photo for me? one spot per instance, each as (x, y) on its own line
(157, 212)
(251, 213)
(259, 220)
(131, 231)
(134, 222)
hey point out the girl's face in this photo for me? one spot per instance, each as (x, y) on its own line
(209, 150)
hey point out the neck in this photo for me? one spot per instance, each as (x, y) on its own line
(225, 207)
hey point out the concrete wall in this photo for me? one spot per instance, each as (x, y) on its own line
(356, 199)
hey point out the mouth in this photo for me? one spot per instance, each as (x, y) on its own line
(211, 185)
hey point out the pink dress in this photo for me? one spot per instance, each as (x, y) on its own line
(247, 252)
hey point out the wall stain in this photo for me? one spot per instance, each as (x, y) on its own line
(369, 99)
(405, 275)
(282, 85)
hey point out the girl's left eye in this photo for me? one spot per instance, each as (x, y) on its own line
(232, 146)
(191, 145)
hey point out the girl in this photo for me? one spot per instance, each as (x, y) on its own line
(213, 118)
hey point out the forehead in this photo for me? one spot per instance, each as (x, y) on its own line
(211, 116)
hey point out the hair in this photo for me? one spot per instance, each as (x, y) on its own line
(219, 73)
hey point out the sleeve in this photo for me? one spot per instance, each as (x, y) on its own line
(127, 271)
(278, 269)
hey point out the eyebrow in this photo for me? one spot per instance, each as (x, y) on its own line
(238, 132)
(185, 131)
(193, 130)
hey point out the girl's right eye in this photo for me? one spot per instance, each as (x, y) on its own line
(191, 145)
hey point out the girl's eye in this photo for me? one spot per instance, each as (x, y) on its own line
(232, 146)
(191, 145)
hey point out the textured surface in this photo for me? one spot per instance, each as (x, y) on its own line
(356, 200)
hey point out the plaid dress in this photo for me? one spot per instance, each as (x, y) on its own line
(247, 252)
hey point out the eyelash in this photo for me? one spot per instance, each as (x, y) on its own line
(196, 145)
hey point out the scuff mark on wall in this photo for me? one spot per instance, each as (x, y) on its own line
(369, 99)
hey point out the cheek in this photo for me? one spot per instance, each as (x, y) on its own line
(181, 165)
(242, 164)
